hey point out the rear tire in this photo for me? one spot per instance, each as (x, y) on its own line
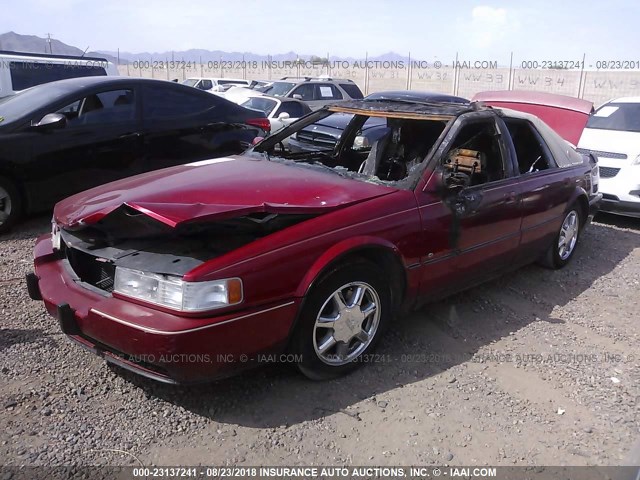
(10, 204)
(565, 242)
(342, 319)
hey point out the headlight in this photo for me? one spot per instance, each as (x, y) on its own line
(176, 294)
(636, 161)
(55, 235)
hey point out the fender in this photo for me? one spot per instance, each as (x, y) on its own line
(340, 249)
(580, 196)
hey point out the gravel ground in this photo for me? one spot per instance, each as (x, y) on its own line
(538, 367)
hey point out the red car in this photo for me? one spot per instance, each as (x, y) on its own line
(194, 272)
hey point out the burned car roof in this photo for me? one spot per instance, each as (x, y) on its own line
(388, 108)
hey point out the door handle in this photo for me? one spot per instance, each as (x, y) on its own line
(510, 197)
(130, 136)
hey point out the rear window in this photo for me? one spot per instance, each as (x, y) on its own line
(265, 105)
(352, 90)
(616, 116)
(232, 82)
(166, 103)
(29, 74)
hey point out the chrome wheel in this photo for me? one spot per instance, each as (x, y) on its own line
(5, 205)
(568, 235)
(347, 323)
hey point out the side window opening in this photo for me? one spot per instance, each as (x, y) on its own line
(167, 103)
(475, 157)
(352, 90)
(531, 152)
(293, 109)
(326, 91)
(108, 107)
(305, 91)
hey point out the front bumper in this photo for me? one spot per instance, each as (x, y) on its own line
(622, 190)
(612, 204)
(152, 343)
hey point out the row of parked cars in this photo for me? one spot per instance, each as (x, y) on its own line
(307, 245)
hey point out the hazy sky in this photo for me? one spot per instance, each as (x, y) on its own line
(534, 30)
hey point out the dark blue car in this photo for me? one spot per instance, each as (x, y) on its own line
(325, 134)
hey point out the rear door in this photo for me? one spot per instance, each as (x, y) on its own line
(546, 189)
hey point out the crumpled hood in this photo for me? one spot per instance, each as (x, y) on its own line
(219, 188)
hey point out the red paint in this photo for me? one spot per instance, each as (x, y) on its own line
(566, 115)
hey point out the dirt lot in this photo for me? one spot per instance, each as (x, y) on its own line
(539, 367)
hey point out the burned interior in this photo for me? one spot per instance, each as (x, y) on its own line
(387, 143)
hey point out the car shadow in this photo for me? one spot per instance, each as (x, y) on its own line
(31, 227)
(418, 346)
(618, 221)
(15, 336)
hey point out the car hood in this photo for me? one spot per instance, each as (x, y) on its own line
(219, 189)
(616, 143)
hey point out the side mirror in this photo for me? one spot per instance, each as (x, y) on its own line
(51, 121)
(297, 96)
(283, 116)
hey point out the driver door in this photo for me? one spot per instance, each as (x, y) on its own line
(478, 204)
(99, 143)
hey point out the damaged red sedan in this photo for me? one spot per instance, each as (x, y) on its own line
(194, 272)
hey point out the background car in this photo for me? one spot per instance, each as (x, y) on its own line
(326, 133)
(613, 135)
(213, 85)
(280, 111)
(59, 138)
(314, 91)
(19, 70)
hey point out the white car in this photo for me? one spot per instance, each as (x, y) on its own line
(613, 135)
(214, 85)
(280, 111)
(19, 71)
(239, 94)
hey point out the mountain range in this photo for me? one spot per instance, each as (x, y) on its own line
(34, 44)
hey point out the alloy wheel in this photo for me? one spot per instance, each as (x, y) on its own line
(568, 235)
(346, 323)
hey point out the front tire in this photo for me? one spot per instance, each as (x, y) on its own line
(343, 319)
(10, 204)
(565, 242)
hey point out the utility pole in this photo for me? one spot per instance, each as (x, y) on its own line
(48, 43)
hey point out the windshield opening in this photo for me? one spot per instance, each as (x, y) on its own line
(190, 82)
(616, 116)
(371, 148)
